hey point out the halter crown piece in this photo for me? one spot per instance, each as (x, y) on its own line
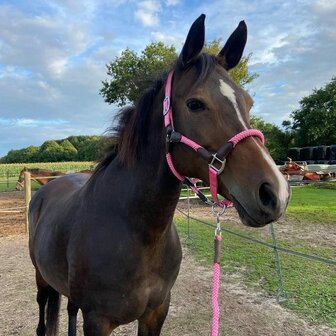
(215, 161)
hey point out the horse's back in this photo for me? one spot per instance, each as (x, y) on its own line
(55, 192)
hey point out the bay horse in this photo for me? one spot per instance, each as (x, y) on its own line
(40, 176)
(107, 242)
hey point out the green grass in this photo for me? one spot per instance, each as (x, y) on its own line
(313, 203)
(310, 286)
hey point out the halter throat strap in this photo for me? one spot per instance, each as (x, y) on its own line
(216, 161)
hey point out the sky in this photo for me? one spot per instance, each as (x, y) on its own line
(53, 56)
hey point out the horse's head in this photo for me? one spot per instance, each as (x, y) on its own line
(209, 108)
(20, 181)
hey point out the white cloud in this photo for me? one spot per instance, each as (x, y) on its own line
(147, 12)
(324, 6)
(57, 67)
(29, 122)
(172, 2)
(166, 38)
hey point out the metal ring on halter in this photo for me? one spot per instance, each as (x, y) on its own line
(166, 105)
(219, 212)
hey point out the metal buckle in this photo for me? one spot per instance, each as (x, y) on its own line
(166, 105)
(215, 159)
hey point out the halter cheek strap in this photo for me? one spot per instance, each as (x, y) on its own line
(215, 161)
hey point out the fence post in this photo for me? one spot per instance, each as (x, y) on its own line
(27, 188)
(189, 240)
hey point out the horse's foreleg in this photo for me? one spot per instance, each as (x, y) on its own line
(42, 298)
(150, 324)
(96, 325)
(72, 318)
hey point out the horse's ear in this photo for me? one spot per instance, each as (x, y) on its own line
(232, 52)
(194, 42)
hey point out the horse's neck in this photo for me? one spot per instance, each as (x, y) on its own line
(35, 172)
(148, 189)
(152, 182)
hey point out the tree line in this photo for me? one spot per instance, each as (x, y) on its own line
(131, 73)
(73, 148)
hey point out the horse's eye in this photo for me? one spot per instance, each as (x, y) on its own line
(195, 105)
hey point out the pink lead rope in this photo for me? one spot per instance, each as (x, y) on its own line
(215, 288)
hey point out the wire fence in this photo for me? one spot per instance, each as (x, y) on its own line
(7, 182)
(275, 246)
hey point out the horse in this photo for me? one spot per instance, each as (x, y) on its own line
(41, 176)
(108, 242)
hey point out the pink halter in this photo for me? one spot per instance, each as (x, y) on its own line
(215, 160)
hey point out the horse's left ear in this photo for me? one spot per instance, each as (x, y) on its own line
(232, 52)
(194, 42)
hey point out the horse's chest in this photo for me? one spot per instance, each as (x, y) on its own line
(125, 286)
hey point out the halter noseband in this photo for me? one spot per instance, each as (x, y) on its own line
(215, 161)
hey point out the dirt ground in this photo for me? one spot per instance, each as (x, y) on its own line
(243, 312)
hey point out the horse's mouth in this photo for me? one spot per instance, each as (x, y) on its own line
(245, 216)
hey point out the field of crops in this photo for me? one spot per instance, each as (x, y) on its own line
(13, 169)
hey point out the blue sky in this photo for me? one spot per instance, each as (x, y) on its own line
(53, 56)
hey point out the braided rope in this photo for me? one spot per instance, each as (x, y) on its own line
(215, 305)
(215, 292)
(245, 134)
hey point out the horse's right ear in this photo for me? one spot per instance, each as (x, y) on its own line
(194, 42)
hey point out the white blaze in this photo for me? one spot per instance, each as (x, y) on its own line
(229, 93)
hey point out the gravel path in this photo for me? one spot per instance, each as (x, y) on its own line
(244, 313)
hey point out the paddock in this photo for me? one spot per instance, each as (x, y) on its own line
(243, 312)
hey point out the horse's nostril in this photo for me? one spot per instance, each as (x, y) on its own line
(267, 196)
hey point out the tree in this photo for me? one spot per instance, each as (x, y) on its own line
(69, 151)
(90, 148)
(30, 153)
(314, 123)
(131, 74)
(24, 155)
(14, 155)
(276, 140)
(50, 151)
